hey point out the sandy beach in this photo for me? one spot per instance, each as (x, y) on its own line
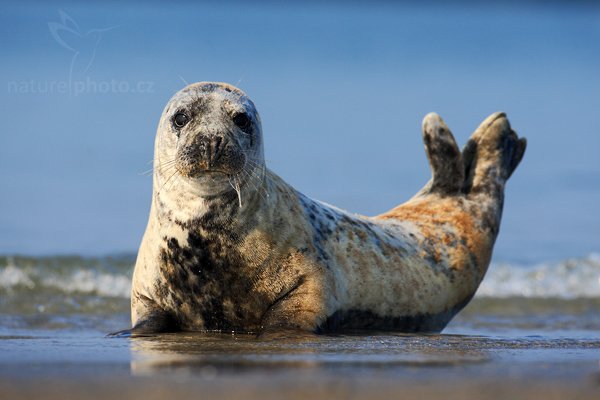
(299, 389)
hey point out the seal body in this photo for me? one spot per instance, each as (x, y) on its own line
(230, 246)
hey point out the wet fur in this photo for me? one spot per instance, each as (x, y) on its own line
(265, 258)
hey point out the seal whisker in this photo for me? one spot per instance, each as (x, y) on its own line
(167, 181)
(255, 164)
(162, 170)
(253, 153)
(174, 181)
(146, 172)
(236, 186)
(160, 163)
(251, 176)
(243, 178)
(158, 166)
(249, 181)
(256, 179)
(167, 165)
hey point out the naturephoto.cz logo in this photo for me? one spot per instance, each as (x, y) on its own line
(82, 46)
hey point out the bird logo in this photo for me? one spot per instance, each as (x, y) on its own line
(83, 45)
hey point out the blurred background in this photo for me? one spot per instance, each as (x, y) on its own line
(341, 87)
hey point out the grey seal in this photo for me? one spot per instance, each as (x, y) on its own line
(230, 246)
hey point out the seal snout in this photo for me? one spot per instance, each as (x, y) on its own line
(214, 153)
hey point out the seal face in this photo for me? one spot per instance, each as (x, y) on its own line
(210, 134)
(230, 246)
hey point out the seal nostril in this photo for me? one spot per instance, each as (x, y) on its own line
(209, 153)
(217, 145)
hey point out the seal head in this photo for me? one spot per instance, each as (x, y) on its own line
(210, 136)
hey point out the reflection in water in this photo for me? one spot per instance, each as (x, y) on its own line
(205, 354)
(398, 355)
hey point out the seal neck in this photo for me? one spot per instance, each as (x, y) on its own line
(187, 205)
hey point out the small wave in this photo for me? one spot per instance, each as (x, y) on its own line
(11, 276)
(91, 282)
(111, 277)
(568, 279)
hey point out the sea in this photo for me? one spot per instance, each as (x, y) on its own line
(74, 293)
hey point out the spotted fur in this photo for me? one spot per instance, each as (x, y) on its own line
(231, 246)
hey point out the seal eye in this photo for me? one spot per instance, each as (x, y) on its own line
(180, 119)
(242, 121)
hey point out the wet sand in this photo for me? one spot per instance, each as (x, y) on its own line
(299, 389)
(76, 365)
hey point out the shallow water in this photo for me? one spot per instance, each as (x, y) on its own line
(51, 304)
(219, 358)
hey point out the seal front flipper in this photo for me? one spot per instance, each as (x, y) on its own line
(154, 322)
(444, 157)
(298, 311)
(125, 333)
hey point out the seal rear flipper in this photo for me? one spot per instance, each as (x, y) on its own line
(444, 157)
(491, 155)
